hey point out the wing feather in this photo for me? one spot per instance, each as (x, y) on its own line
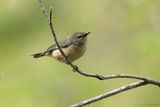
(63, 44)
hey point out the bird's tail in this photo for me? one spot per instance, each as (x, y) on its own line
(38, 55)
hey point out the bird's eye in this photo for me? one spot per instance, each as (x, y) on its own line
(79, 36)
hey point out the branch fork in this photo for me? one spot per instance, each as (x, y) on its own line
(143, 80)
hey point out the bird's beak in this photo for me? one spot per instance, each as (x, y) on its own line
(87, 33)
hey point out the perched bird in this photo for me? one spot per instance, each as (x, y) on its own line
(73, 47)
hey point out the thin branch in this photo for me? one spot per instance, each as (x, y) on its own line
(109, 94)
(49, 18)
(100, 77)
(55, 38)
(105, 77)
(41, 4)
(75, 67)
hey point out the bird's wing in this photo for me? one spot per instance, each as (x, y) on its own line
(63, 44)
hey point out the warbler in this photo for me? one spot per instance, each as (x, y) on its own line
(73, 47)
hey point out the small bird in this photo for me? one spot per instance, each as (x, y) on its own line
(73, 47)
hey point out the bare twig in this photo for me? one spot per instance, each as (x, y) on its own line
(108, 94)
(75, 67)
(41, 4)
(97, 76)
(49, 18)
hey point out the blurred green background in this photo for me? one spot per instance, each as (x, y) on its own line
(125, 39)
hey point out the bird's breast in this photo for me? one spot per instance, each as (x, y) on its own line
(72, 52)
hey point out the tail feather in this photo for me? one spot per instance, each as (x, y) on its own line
(38, 55)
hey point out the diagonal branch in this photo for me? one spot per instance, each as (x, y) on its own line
(97, 76)
(109, 94)
(75, 67)
(41, 4)
(49, 18)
